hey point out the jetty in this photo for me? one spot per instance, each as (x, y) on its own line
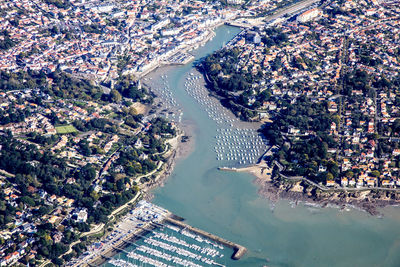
(238, 250)
(233, 169)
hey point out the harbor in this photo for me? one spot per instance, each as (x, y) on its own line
(151, 235)
(182, 56)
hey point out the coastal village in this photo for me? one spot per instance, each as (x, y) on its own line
(340, 60)
(78, 145)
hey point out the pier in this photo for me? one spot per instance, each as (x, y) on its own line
(239, 250)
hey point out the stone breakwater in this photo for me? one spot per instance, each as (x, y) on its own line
(238, 250)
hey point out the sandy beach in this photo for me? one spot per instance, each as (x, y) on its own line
(260, 171)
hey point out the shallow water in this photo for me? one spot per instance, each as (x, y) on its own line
(227, 204)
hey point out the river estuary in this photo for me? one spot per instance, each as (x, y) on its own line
(227, 204)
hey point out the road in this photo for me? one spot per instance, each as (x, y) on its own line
(291, 9)
(98, 228)
(45, 263)
(287, 10)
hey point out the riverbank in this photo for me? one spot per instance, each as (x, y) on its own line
(180, 147)
(368, 200)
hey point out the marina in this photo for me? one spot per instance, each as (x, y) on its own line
(152, 236)
(242, 146)
(165, 102)
(234, 144)
(194, 86)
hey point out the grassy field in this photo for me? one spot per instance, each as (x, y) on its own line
(66, 129)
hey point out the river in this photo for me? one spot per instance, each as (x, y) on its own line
(227, 204)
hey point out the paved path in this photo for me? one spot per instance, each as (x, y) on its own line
(125, 205)
(137, 179)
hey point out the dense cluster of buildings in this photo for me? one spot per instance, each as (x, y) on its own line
(322, 52)
(100, 41)
(328, 50)
(88, 37)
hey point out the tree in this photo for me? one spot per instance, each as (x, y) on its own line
(84, 148)
(3, 206)
(336, 119)
(333, 168)
(94, 195)
(375, 173)
(28, 201)
(6, 41)
(349, 174)
(58, 261)
(115, 96)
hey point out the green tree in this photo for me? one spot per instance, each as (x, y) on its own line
(28, 201)
(375, 173)
(115, 96)
(350, 174)
(329, 176)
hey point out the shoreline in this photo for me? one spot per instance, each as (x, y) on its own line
(178, 150)
(267, 186)
(177, 153)
(274, 190)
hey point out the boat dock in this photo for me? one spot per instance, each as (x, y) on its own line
(239, 250)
